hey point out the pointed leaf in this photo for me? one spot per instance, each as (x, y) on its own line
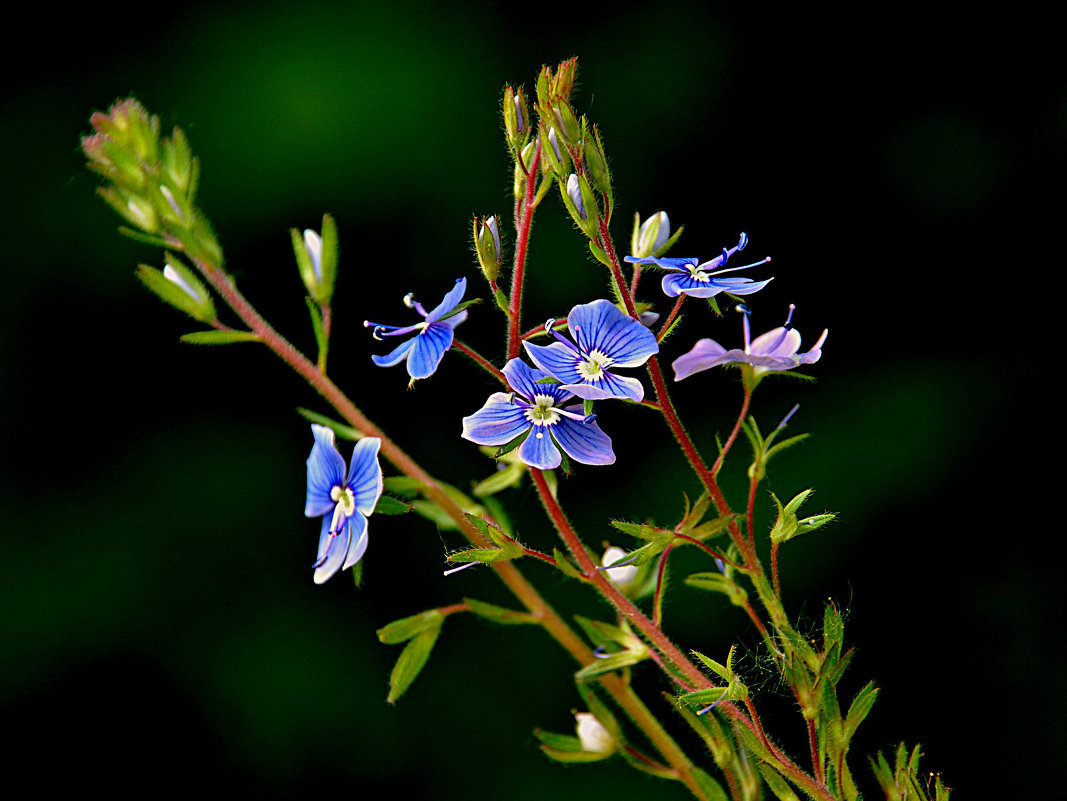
(218, 337)
(498, 614)
(411, 662)
(340, 429)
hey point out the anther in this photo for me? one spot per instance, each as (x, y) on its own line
(408, 299)
(742, 241)
(789, 318)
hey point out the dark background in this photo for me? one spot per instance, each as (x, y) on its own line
(159, 629)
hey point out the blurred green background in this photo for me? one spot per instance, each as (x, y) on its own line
(158, 624)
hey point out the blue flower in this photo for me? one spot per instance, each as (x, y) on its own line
(774, 351)
(537, 411)
(424, 351)
(604, 337)
(344, 502)
(689, 277)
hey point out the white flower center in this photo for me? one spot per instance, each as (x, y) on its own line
(699, 275)
(543, 411)
(594, 365)
(345, 508)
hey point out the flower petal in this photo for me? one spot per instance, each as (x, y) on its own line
(538, 450)
(675, 284)
(705, 354)
(451, 300)
(496, 423)
(365, 474)
(325, 470)
(665, 262)
(602, 326)
(607, 385)
(523, 379)
(332, 550)
(815, 353)
(782, 342)
(741, 286)
(357, 540)
(557, 360)
(583, 442)
(396, 356)
(429, 346)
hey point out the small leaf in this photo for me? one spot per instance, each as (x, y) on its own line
(407, 627)
(411, 662)
(609, 664)
(713, 791)
(778, 785)
(566, 566)
(340, 429)
(498, 614)
(388, 505)
(861, 707)
(218, 337)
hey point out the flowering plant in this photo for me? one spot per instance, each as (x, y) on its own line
(537, 419)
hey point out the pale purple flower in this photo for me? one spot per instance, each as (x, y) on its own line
(702, 280)
(774, 351)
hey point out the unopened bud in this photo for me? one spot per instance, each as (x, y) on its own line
(177, 285)
(316, 259)
(651, 235)
(516, 117)
(592, 734)
(487, 247)
(596, 167)
(622, 577)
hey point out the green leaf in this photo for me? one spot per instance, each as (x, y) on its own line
(859, 709)
(498, 614)
(388, 505)
(717, 582)
(218, 337)
(340, 429)
(407, 627)
(411, 662)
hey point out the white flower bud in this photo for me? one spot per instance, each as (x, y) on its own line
(621, 577)
(593, 735)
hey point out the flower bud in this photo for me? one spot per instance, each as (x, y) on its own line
(516, 117)
(177, 285)
(487, 247)
(592, 734)
(622, 577)
(579, 200)
(519, 187)
(316, 258)
(596, 167)
(557, 159)
(651, 235)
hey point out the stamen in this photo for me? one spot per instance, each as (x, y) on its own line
(785, 419)
(742, 241)
(741, 307)
(461, 567)
(789, 318)
(743, 266)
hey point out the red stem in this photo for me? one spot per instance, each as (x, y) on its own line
(480, 360)
(670, 318)
(522, 225)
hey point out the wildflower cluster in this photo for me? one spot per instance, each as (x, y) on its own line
(543, 412)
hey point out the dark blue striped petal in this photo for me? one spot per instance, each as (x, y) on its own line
(332, 551)
(326, 470)
(365, 474)
(496, 423)
(538, 450)
(583, 442)
(430, 345)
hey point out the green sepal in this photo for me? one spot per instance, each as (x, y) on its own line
(411, 662)
(357, 573)
(708, 728)
(609, 664)
(486, 556)
(499, 480)
(661, 338)
(566, 566)
(508, 447)
(567, 748)
(500, 614)
(457, 309)
(388, 505)
(502, 302)
(587, 406)
(140, 236)
(788, 526)
(197, 305)
(548, 380)
(218, 337)
(316, 325)
(779, 786)
(599, 254)
(717, 582)
(712, 790)
(859, 709)
(342, 430)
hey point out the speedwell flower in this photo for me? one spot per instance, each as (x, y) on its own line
(423, 352)
(537, 412)
(771, 352)
(689, 277)
(344, 501)
(604, 337)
